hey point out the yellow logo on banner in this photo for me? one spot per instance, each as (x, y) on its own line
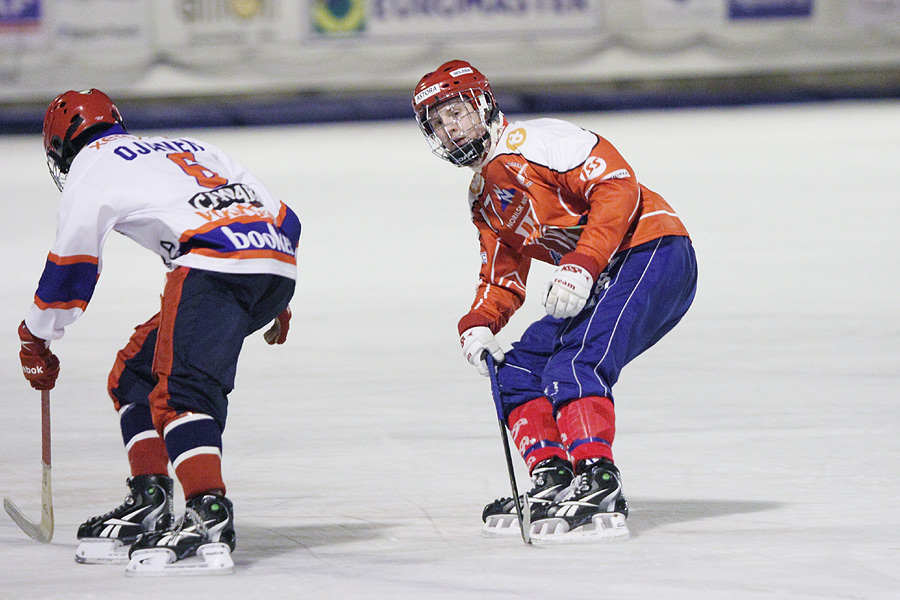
(515, 139)
(246, 9)
(339, 16)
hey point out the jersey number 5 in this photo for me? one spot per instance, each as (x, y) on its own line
(205, 177)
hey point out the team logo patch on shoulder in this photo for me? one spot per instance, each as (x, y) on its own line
(593, 167)
(515, 139)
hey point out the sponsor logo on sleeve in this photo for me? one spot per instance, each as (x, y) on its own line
(593, 167)
(620, 174)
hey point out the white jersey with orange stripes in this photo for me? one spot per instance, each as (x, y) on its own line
(181, 198)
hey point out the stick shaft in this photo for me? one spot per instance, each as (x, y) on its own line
(42, 530)
(523, 513)
(45, 427)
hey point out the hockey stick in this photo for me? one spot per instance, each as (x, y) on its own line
(523, 509)
(43, 531)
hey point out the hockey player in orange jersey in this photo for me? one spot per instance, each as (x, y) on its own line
(626, 274)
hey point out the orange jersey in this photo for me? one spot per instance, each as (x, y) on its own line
(550, 189)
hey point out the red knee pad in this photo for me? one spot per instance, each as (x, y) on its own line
(588, 426)
(535, 433)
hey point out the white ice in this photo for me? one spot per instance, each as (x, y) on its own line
(759, 442)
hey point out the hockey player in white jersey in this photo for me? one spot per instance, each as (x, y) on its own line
(231, 247)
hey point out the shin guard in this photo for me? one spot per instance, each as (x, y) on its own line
(194, 442)
(535, 433)
(588, 426)
(146, 450)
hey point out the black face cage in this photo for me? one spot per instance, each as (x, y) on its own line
(483, 112)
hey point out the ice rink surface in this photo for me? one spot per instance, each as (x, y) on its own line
(758, 442)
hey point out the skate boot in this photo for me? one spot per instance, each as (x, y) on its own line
(592, 508)
(148, 507)
(199, 544)
(549, 478)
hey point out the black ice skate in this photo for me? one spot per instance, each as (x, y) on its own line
(199, 544)
(148, 507)
(549, 478)
(592, 508)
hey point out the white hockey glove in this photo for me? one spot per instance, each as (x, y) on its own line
(475, 341)
(567, 291)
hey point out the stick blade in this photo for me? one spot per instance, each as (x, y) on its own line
(43, 531)
(36, 531)
(525, 524)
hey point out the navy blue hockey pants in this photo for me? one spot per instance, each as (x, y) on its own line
(196, 340)
(641, 295)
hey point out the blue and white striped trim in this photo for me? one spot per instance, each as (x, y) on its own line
(190, 435)
(542, 444)
(589, 440)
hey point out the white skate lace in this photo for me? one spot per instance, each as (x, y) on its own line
(579, 484)
(196, 523)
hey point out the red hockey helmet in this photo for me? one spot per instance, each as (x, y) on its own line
(70, 122)
(455, 109)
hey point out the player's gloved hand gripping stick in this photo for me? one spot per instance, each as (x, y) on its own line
(523, 507)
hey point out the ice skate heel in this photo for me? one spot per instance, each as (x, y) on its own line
(106, 538)
(549, 478)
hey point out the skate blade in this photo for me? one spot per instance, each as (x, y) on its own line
(101, 551)
(500, 526)
(603, 527)
(211, 559)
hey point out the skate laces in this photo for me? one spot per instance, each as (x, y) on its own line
(549, 473)
(577, 486)
(583, 482)
(196, 522)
